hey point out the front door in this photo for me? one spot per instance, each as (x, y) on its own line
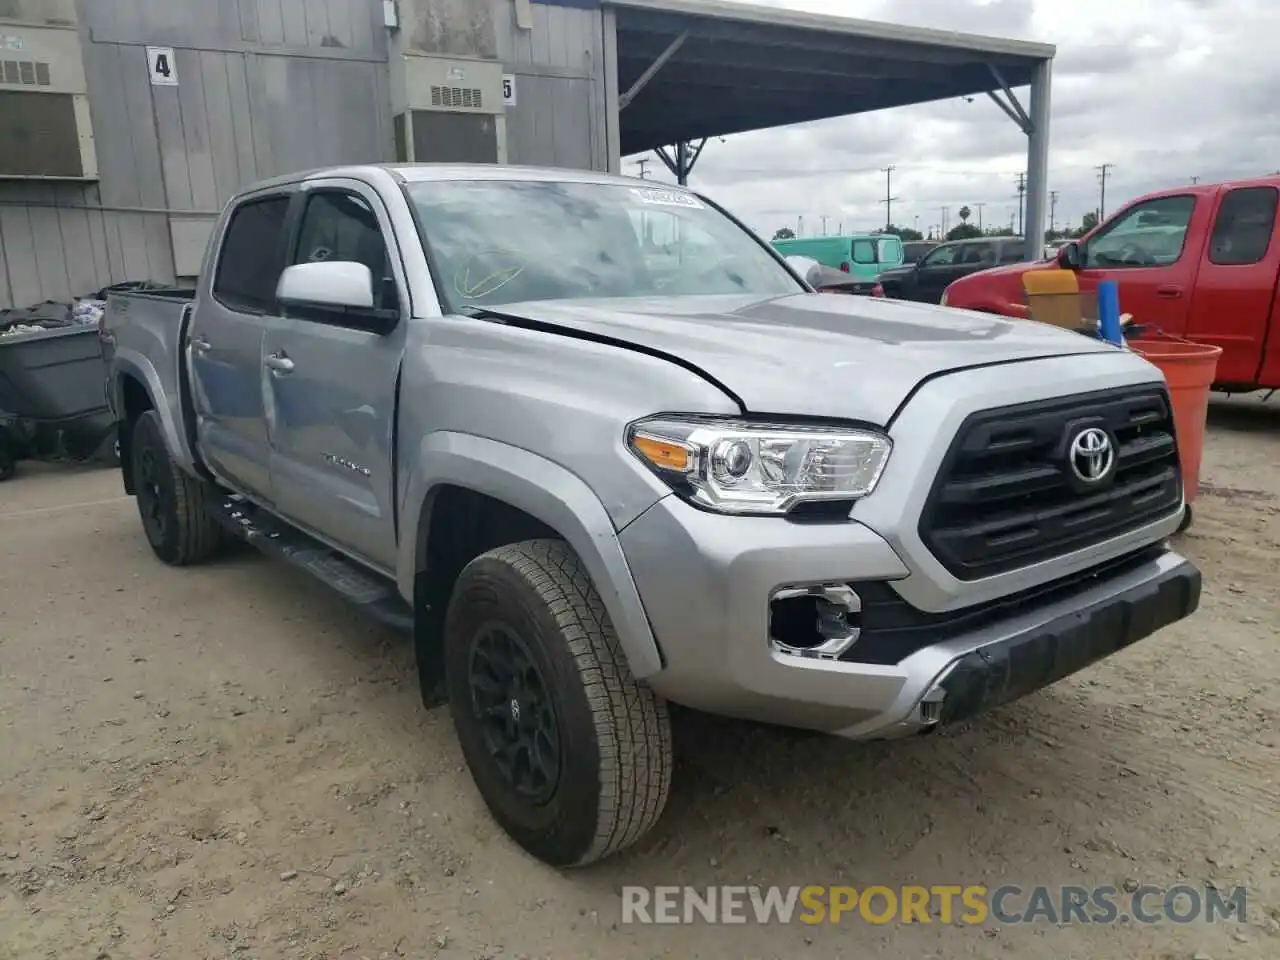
(1147, 249)
(334, 380)
(935, 273)
(225, 342)
(1231, 307)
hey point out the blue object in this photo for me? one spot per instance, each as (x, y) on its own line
(1109, 312)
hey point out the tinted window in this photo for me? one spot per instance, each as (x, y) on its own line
(941, 257)
(1011, 253)
(252, 258)
(912, 252)
(1149, 234)
(342, 226)
(978, 254)
(501, 241)
(1243, 228)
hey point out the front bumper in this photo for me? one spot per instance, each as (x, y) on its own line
(706, 581)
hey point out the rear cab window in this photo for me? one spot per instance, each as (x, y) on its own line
(252, 255)
(1243, 227)
(864, 252)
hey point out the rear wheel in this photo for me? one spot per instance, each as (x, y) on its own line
(171, 502)
(570, 753)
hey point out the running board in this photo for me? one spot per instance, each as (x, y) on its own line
(376, 596)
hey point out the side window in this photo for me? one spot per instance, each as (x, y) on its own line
(940, 257)
(1150, 234)
(980, 254)
(342, 226)
(251, 259)
(1244, 225)
(1011, 253)
(890, 250)
(864, 251)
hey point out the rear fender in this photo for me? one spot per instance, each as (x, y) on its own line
(545, 491)
(168, 405)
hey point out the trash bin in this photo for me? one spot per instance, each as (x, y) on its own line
(1189, 369)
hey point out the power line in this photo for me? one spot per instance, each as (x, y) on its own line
(1103, 169)
(888, 196)
(1021, 184)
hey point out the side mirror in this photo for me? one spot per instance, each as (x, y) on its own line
(1069, 256)
(338, 284)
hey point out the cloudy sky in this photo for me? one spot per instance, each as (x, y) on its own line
(1165, 91)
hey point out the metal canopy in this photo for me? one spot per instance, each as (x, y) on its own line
(736, 68)
(689, 70)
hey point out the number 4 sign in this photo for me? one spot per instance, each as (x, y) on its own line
(160, 62)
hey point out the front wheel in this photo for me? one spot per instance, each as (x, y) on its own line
(571, 754)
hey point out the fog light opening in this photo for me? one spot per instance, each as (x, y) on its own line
(816, 621)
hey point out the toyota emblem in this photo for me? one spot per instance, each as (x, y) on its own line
(1092, 455)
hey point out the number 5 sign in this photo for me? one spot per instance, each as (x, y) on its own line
(163, 69)
(509, 89)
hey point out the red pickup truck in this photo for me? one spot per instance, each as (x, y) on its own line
(1199, 262)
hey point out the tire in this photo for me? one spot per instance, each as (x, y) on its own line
(613, 735)
(1187, 517)
(171, 502)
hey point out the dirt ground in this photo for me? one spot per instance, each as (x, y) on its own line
(227, 761)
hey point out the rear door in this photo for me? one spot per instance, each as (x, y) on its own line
(225, 342)
(1231, 306)
(335, 403)
(1156, 268)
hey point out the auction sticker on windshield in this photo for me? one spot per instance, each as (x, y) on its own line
(667, 198)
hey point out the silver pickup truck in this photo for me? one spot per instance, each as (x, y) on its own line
(600, 449)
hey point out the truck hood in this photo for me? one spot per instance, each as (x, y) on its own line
(855, 358)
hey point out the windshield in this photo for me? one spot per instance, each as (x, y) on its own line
(503, 241)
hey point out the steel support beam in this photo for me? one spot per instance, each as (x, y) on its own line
(682, 161)
(1038, 160)
(642, 81)
(1013, 108)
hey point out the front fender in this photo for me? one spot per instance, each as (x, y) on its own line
(165, 400)
(546, 491)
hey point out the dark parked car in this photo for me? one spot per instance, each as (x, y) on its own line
(915, 250)
(925, 281)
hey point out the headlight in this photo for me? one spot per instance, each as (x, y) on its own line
(734, 466)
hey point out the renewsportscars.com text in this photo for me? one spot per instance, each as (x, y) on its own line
(941, 903)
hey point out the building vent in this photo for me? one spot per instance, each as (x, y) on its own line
(45, 128)
(457, 98)
(25, 73)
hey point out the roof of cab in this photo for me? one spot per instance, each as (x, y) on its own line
(421, 172)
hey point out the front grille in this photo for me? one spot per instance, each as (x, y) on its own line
(1006, 496)
(892, 629)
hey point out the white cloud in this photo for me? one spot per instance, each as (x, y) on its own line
(1164, 91)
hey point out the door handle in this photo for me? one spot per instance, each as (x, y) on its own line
(278, 363)
(1169, 291)
(200, 344)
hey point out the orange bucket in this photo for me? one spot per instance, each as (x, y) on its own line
(1189, 369)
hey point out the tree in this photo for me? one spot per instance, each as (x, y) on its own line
(963, 231)
(965, 214)
(903, 233)
(1088, 222)
(785, 233)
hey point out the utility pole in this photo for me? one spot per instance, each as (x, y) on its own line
(1021, 184)
(643, 164)
(980, 206)
(1011, 216)
(888, 196)
(945, 211)
(1194, 181)
(824, 224)
(800, 225)
(917, 223)
(1053, 209)
(1103, 170)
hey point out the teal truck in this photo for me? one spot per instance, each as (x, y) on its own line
(861, 255)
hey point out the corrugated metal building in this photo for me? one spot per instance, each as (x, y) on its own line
(262, 87)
